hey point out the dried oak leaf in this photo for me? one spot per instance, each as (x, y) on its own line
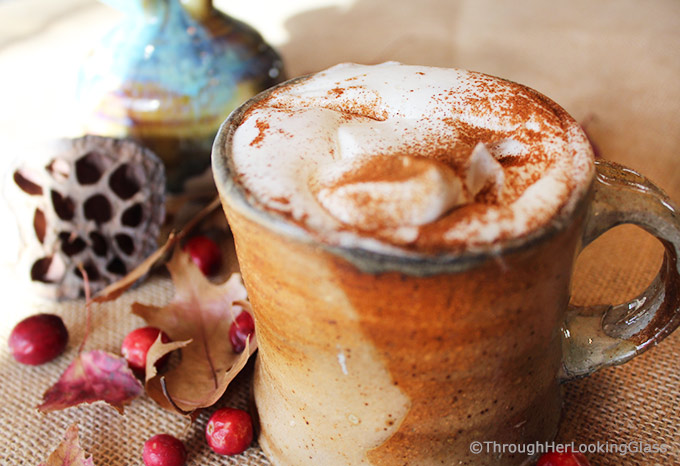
(93, 376)
(197, 319)
(69, 452)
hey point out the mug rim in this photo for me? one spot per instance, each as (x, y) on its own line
(408, 262)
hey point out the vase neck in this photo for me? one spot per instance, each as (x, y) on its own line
(199, 9)
(135, 7)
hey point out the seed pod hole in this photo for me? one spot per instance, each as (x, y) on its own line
(39, 225)
(90, 167)
(63, 206)
(116, 266)
(90, 270)
(98, 243)
(126, 181)
(132, 216)
(25, 182)
(125, 243)
(47, 270)
(97, 208)
(71, 244)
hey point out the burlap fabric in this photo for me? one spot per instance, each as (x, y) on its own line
(614, 64)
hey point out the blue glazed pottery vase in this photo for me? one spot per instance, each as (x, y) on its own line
(169, 74)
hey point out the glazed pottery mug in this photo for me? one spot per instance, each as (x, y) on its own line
(372, 357)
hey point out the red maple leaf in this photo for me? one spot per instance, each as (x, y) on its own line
(93, 376)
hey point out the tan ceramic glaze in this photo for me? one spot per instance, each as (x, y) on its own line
(363, 368)
(367, 358)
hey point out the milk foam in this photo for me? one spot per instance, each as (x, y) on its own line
(391, 157)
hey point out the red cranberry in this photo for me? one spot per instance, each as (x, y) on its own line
(568, 458)
(38, 339)
(240, 328)
(136, 345)
(205, 253)
(229, 431)
(164, 450)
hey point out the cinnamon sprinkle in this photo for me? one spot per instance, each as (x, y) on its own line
(262, 126)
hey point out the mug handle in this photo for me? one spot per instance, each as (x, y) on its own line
(604, 335)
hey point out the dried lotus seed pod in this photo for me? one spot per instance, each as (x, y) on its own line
(93, 201)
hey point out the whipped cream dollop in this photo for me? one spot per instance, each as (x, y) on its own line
(389, 191)
(396, 157)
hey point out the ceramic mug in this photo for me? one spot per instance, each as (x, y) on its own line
(371, 358)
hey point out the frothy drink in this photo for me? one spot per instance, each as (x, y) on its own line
(407, 236)
(419, 159)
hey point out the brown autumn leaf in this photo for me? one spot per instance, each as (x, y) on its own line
(69, 452)
(197, 319)
(93, 376)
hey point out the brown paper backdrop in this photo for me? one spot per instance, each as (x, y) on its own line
(615, 63)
